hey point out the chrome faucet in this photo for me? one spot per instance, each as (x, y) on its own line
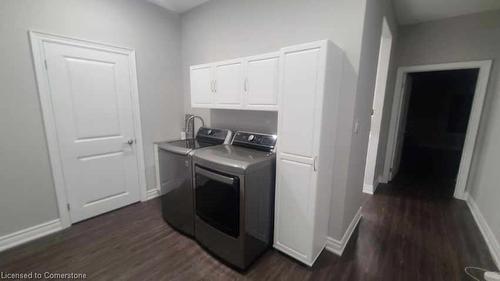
(189, 125)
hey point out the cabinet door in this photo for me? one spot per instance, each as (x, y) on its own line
(229, 84)
(201, 85)
(294, 206)
(300, 104)
(261, 84)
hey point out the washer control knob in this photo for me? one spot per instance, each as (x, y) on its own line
(251, 137)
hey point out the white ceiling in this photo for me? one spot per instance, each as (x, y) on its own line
(415, 11)
(178, 6)
(407, 11)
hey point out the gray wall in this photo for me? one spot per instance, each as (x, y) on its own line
(27, 195)
(466, 38)
(225, 29)
(262, 121)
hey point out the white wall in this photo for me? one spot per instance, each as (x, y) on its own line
(466, 38)
(27, 195)
(225, 29)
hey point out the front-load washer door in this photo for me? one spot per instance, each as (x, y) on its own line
(217, 200)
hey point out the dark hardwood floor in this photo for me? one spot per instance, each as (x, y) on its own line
(404, 234)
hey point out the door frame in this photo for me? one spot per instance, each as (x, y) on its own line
(484, 67)
(37, 39)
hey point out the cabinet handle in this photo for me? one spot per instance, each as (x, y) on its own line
(314, 163)
(212, 86)
(246, 85)
(215, 86)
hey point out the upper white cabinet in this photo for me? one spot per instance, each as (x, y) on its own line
(246, 83)
(261, 84)
(202, 85)
(228, 84)
(310, 76)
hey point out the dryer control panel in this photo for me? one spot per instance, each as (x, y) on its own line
(258, 141)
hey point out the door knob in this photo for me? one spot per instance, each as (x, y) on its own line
(130, 142)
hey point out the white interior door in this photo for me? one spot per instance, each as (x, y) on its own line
(229, 83)
(90, 91)
(201, 86)
(371, 175)
(261, 85)
(401, 126)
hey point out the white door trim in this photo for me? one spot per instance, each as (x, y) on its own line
(37, 39)
(474, 119)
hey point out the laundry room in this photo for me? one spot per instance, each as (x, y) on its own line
(249, 140)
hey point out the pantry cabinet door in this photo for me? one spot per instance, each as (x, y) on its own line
(300, 108)
(295, 192)
(298, 173)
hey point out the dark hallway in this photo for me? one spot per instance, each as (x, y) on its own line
(438, 112)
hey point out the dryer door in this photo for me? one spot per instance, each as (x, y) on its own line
(217, 199)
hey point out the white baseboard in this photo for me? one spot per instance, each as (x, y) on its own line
(460, 196)
(152, 193)
(368, 189)
(337, 247)
(488, 235)
(31, 233)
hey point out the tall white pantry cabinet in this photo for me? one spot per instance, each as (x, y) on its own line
(310, 78)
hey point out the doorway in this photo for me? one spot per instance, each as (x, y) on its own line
(435, 119)
(372, 177)
(437, 114)
(89, 98)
